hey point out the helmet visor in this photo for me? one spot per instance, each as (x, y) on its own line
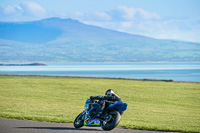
(109, 93)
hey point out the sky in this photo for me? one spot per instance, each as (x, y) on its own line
(161, 19)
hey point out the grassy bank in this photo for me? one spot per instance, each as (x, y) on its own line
(170, 106)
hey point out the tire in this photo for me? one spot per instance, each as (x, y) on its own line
(121, 113)
(78, 122)
(113, 122)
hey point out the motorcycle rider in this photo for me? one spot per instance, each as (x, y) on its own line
(109, 98)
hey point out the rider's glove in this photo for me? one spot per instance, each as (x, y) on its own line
(92, 97)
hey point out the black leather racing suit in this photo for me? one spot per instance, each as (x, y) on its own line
(106, 100)
(113, 98)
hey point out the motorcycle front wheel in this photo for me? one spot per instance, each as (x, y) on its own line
(113, 121)
(79, 121)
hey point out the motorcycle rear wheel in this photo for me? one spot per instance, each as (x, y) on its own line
(113, 122)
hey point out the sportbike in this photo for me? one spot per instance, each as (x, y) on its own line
(107, 120)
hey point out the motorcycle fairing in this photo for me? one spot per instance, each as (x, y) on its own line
(88, 121)
(119, 105)
(94, 122)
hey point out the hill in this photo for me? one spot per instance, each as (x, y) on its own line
(67, 40)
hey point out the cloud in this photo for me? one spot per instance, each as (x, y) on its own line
(124, 15)
(129, 13)
(11, 9)
(126, 24)
(32, 8)
(91, 16)
(25, 11)
(142, 22)
(102, 15)
(29, 9)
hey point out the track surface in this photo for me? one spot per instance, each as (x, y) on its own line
(22, 126)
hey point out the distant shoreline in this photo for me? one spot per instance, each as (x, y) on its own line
(31, 64)
(154, 80)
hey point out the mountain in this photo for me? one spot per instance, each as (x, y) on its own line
(66, 40)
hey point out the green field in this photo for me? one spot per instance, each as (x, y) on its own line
(169, 106)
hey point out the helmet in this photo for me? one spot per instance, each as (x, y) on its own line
(109, 92)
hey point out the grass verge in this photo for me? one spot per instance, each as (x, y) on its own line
(166, 106)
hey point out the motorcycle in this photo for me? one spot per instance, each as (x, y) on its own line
(107, 120)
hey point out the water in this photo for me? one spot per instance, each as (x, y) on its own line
(168, 71)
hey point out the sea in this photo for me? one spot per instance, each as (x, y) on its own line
(164, 71)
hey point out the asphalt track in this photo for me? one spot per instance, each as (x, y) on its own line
(23, 126)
